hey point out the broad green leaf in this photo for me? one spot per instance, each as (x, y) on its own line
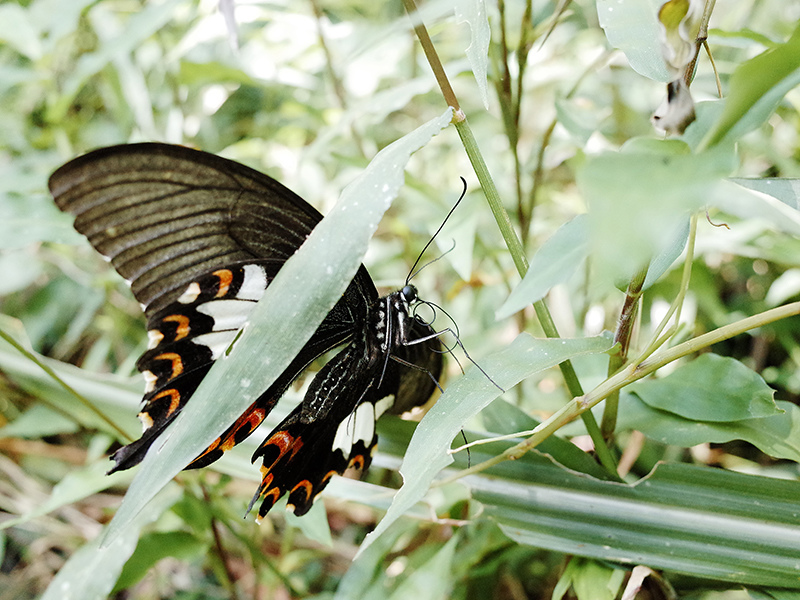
(90, 573)
(503, 418)
(430, 581)
(283, 320)
(784, 189)
(632, 26)
(777, 436)
(592, 580)
(75, 486)
(710, 388)
(662, 262)
(428, 453)
(116, 397)
(580, 120)
(313, 524)
(362, 579)
(39, 421)
(773, 594)
(212, 72)
(30, 217)
(699, 521)
(756, 205)
(785, 286)
(756, 87)
(152, 548)
(638, 200)
(473, 12)
(555, 262)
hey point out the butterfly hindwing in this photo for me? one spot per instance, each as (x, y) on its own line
(333, 429)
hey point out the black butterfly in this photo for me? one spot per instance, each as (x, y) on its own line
(199, 238)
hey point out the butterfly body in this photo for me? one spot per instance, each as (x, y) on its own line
(199, 239)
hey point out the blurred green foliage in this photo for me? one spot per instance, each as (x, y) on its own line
(308, 93)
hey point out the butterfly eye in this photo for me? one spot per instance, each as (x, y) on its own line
(409, 293)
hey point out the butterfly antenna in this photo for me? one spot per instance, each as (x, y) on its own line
(430, 262)
(433, 237)
(454, 331)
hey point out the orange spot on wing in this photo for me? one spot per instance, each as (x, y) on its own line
(213, 446)
(174, 402)
(304, 485)
(225, 277)
(284, 442)
(177, 362)
(183, 325)
(357, 462)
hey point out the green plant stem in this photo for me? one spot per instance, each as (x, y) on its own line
(504, 222)
(432, 56)
(53, 375)
(675, 308)
(627, 319)
(631, 373)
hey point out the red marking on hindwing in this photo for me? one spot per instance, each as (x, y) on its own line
(225, 277)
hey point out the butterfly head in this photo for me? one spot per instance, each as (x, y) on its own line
(409, 293)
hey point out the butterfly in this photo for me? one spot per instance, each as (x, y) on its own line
(199, 238)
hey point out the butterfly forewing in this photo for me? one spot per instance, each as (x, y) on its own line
(167, 215)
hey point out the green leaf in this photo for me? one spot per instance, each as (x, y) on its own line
(210, 73)
(710, 388)
(39, 421)
(784, 189)
(431, 580)
(592, 580)
(555, 262)
(313, 524)
(155, 546)
(75, 486)
(143, 24)
(503, 418)
(755, 89)
(777, 436)
(754, 205)
(116, 397)
(633, 27)
(473, 12)
(362, 579)
(283, 320)
(90, 573)
(19, 32)
(428, 453)
(639, 200)
(699, 521)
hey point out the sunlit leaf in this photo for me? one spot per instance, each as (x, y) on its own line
(555, 262)
(427, 453)
(756, 87)
(710, 388)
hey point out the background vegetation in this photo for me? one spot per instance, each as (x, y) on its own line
(707, 444)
